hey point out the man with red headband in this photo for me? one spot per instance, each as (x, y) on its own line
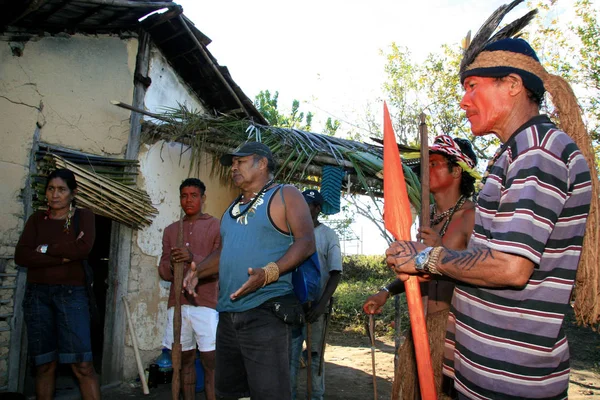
(452, 183)
(513, 284)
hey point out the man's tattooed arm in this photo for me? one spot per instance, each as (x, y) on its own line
(467, 259)
(482, 266)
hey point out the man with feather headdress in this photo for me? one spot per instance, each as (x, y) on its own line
(530, 243)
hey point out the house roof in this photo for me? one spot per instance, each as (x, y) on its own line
(88, 16)
(183, 45)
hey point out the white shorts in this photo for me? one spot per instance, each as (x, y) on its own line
(196, 322)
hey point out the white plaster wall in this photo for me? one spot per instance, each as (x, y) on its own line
(167, 89)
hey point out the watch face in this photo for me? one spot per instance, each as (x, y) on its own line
(421, 259)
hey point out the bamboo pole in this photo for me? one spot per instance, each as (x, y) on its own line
(136, 350)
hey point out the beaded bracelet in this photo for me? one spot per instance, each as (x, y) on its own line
(271, 273)
(434, 256)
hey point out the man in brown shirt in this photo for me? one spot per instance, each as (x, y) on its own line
(201, 236)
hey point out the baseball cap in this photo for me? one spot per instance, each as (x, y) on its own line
(247, 149)
(313, 196)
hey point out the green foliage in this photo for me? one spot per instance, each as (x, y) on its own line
(431, 87)
(268, 106)
(362, 277)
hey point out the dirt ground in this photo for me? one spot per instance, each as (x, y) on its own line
(348, 368)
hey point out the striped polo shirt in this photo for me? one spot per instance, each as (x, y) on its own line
(509, 343)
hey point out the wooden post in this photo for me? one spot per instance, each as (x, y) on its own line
(113, 351)
(176, 348)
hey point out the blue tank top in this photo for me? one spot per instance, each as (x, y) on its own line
(250, 241)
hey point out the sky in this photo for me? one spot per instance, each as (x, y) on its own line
(327, 53)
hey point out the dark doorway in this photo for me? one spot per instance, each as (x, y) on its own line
(98, 261)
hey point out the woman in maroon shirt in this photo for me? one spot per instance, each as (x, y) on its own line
(56, 304)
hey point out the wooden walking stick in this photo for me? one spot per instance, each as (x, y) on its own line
(176, 348)
(324, 337)
(308, 358)
(136, 349)
(398, 220)
(372, 335)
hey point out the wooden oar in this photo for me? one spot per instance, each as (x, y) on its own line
(176, 349)
(397, 221)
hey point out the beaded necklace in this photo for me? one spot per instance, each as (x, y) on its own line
(236, 206)
(450, 212)
(437, 218)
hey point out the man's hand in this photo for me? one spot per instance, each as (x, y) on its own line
(316, 311)
(374, 303)
(181, 255)
(190, 281)
(400, 257)
(256, 280)
(429, 237)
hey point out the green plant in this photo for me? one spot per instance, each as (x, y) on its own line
(362, 277)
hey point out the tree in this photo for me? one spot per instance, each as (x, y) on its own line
(571, 50)
(569, 46)
(268, 107)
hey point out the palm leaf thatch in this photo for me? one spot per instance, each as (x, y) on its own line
(300, 155)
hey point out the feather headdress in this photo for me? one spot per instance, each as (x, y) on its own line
(484, 37)
(501, 54)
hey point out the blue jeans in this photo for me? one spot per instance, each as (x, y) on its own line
(299, 335)
(58, 323)
(252, 355)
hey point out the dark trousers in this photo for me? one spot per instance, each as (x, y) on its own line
(252, 356)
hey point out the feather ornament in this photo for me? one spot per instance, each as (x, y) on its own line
(484, 37)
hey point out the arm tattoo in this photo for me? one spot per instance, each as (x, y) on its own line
(408, 250)
(467, 259)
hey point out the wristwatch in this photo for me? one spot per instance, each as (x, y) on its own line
(43, 248)
(421, 260)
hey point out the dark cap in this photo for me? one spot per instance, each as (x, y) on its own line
(247, 149)
(313, 196)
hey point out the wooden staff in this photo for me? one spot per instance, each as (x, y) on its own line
(372, 335)
(424, 220)
(176, 349)
(136, 350)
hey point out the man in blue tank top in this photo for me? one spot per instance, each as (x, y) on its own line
(265, 233)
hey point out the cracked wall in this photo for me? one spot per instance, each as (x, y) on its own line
(64, 86)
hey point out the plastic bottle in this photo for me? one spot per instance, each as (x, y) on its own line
(199, 373)
(165, 366)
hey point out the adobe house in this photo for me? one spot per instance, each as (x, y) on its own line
(62, 62)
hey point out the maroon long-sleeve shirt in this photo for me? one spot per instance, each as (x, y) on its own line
(50, 268)
(202, 237)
